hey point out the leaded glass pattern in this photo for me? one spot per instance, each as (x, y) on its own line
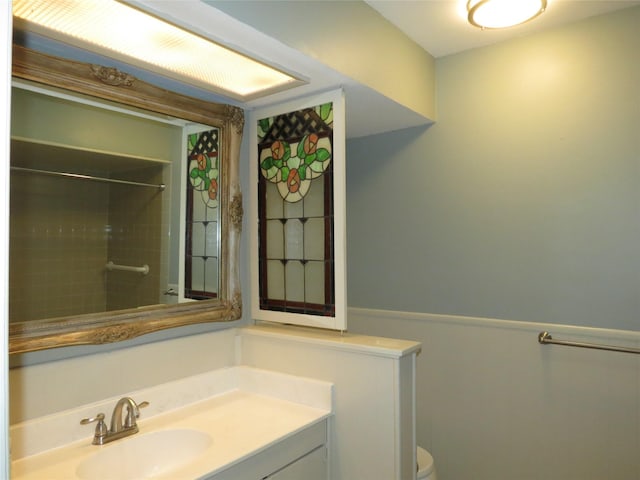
(295, 211)
(202, 241)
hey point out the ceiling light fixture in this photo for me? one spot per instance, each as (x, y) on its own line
(492, 14)
(125, 33)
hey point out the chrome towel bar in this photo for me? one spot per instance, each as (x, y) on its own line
(546, 338)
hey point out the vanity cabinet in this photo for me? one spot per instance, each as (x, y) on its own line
(302, 455)
(313, 466)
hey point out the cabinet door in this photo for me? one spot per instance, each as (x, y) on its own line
(278, 458)
(312, 466)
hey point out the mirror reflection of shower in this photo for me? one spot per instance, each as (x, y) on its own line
(97, 206)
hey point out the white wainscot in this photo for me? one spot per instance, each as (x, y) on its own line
(236, 422)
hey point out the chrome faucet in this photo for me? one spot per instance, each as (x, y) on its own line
(119, 428)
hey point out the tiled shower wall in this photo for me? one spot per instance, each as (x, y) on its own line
(58, 246)
(136, 239)
(64, 231)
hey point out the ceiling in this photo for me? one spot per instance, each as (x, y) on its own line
(433, 24)
(440, 29)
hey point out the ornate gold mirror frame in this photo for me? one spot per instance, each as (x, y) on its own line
(114, 85)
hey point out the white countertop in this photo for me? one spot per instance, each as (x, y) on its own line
(254, 410)
(344, 341)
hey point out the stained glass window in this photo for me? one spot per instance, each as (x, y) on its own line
(295, 211)
(202, 245)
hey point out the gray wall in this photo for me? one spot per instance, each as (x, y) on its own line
(350, 37)
(523, 201)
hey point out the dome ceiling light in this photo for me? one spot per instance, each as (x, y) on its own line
(492, 14)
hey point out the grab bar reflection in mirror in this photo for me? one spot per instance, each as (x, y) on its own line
(144, 269)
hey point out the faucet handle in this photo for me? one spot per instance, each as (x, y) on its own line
(134, 413)
(98, 418)
(101, 427)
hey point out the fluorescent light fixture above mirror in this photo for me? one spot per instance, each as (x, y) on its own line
(130, 35)
(503, 13)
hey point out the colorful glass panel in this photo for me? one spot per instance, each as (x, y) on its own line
(295, 211)
(202, 245)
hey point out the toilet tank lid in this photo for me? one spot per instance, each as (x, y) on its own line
(425, 461)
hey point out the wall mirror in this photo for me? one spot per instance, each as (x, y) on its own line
(126, 208)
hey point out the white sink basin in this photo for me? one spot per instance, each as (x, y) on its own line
(144, 455)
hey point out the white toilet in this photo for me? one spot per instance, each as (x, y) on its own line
(426, 469)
